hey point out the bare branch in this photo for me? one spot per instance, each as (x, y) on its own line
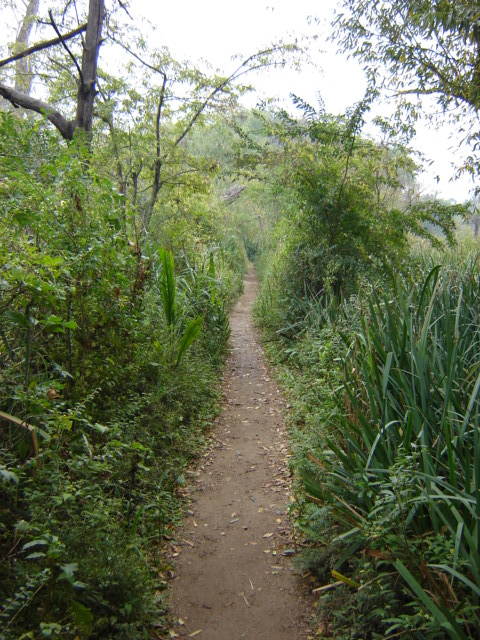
(62, 40)
(125, 8)
(18, 99)
(233, 192)
(88, 76)
(43, 45)
(241, 70)
(135, 55)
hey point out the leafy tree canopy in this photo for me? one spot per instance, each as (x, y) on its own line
(427, 47)
(420, 48)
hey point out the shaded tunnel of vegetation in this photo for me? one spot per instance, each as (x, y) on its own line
(122, 250)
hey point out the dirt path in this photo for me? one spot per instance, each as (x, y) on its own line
(234, 575)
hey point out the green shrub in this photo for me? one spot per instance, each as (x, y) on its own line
(108, 387)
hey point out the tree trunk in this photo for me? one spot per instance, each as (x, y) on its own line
(87, 77)
(86, 88)
(23, 72)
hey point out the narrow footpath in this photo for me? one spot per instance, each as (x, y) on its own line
(234, 575)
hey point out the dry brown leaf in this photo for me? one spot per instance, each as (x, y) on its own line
(187, 542)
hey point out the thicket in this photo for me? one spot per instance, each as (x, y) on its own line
(111, 348)
(376, 346)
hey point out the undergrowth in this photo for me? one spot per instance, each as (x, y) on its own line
(110, 357)
(383, 394)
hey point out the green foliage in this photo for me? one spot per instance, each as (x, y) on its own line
(381, 377)
(418, 49)
(167, 286)
(392, 454)
(415, 366)
(99, 415)
(191, 333)
(349, 221)
(178, 342)
(410, 39)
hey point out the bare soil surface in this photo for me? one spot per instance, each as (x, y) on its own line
(233, 575)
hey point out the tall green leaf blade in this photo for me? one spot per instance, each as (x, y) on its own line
(167, 284)
(443, 617)
(191, 334)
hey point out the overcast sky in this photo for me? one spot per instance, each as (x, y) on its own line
(216, 30)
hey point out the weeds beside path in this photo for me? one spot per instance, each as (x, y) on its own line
(234, 574)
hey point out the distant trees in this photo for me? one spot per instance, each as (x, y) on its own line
(169, 98)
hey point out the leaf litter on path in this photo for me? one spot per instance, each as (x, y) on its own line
(250, 473)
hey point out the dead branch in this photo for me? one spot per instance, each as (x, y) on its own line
(18, 99)
(64, 44)
(43, 45)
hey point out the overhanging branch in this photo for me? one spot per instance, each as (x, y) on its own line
(43, 45)
(64, 44)
(18, 99)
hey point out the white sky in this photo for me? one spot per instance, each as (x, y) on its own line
(215, 30)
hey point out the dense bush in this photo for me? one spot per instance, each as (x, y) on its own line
(100, 343)
(407, 463)
(384, 395)
(376, 347)
(345, 217)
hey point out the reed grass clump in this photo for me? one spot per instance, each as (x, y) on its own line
(405, 478)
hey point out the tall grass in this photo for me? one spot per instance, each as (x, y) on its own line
(407, 466)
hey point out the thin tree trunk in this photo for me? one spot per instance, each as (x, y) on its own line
(86, 88)
(156, 183)
(87, 78)
(23, 67)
